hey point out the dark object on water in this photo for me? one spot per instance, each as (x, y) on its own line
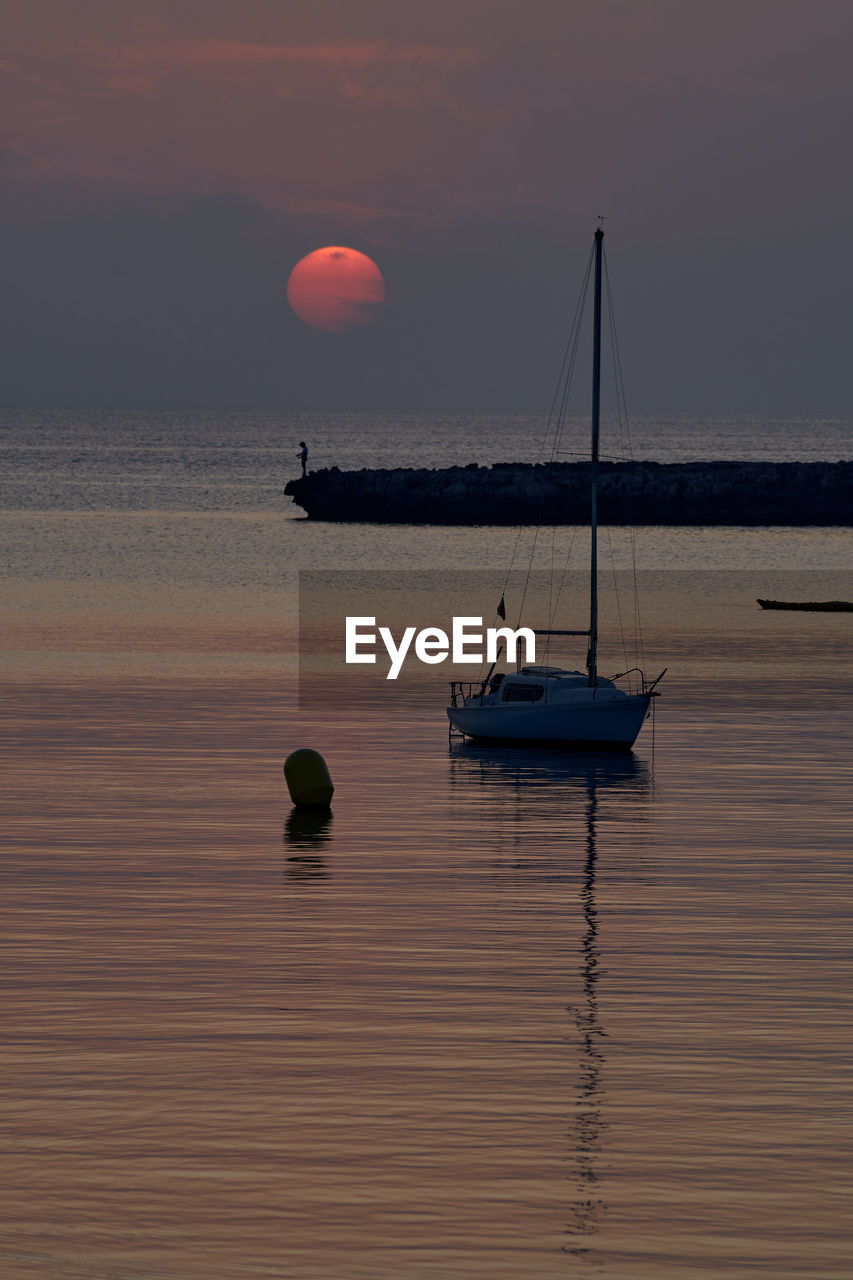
(813, 606)
(307, 778)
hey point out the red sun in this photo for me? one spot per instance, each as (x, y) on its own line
(335, 289)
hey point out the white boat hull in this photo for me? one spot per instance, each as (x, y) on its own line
(605, 723)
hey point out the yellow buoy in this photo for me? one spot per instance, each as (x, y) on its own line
(307, 778)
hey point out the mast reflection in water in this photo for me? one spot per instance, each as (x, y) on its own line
(587, 1129)
(594, 787)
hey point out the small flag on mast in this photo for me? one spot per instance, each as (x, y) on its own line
(502, 609)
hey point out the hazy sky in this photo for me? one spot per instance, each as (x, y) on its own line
(164, 165)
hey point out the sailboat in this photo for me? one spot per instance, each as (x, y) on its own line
(550, 705)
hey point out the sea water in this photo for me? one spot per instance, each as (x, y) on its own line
(498, 1014)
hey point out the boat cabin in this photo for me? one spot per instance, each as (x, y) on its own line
(527, 684)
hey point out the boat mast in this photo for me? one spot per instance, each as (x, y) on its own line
(593, 524)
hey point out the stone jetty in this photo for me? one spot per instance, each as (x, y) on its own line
(637, 493)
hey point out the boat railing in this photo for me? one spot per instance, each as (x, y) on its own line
(646, 687)
(464, 691)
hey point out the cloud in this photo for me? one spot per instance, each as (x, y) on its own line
(23, 75)
(334, 126)
(660, 114)
(344, 54)
(94, 66)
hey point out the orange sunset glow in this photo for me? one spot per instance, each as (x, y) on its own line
(335, 289)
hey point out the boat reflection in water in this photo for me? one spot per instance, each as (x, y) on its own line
(573, 793)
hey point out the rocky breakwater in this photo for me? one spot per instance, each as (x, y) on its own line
(689, 493)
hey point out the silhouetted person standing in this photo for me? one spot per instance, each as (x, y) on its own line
(302, 455)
